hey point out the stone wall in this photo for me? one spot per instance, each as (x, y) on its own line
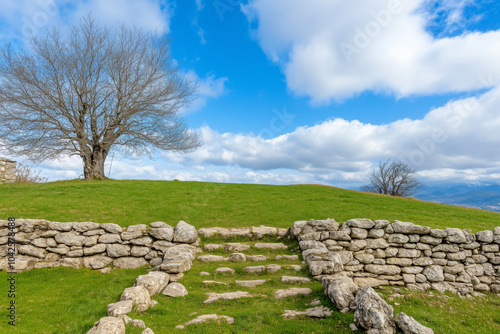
(7, 171)
(42, 244)
(376, 253)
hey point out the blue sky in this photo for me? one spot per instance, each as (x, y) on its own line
(313, 91)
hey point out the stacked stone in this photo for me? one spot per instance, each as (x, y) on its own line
(41, 243)
(7, 171)
(379, 253)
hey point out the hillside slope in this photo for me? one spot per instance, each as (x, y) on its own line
(220, 204)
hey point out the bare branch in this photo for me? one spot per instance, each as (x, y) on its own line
(96, 90)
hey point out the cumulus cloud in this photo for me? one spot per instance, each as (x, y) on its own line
(333, 50)
(446, 141)
(20, 19)
(209, 87)
(445, 145)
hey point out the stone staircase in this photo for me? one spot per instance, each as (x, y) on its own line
(240, 269)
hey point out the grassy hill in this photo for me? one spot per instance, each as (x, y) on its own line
(221, 204)
(66, 300)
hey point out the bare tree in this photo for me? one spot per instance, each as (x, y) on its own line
(393, 178)
(91, 91)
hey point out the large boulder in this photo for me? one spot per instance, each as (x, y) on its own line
(410, 326)
(139, 296)
(175, 290)
(185, 233)
(373, 313)
(108, 325)
(120, 308)
(342, 291)
(154, 282)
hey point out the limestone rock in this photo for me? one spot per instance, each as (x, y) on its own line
(294, 279)
(130, 262)
(410, 326)
(237, 257)
(117, 250)
(277, 245)
(99, 248)
(70, 239)
(110, 239)
(409, 228)
(342, 291)
(185, 233)
(31, 251)
(154, 282)
(360, 223)
(175, 290)
(224, 270)
(236, 247)
(214, 297)
(291, 292)
(148, 331)
(211, 258)
(96, 262)
(251, 283)
(272, 268)
(120, 308)
(139, 296)
(316, 312)
(369, 281)
(434, 273)
(254, 269)
(85, 226)
(256, 258)
(455, 235)
(207, 317)
(373, 313)
(108, 325)
(162, 233)
(111, 228)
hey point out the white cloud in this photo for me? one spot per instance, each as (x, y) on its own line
(446, 142)
(209, 87)
(457, 142)
(333, 50)
(19, 19)
(199, 5)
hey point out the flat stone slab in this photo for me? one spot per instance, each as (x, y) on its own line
(295, 279)
(291, 292)
(256, 258)
(315, 312)
(207, 283)
(287, 257)
(254, 269)
(211, 258)
(271, 245)
(224, 270)
(236, 247)
(208, 317)
(212, 247)
(214, 297)
(272, 268)
(251, 284)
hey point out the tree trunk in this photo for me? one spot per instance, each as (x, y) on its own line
(93, 168)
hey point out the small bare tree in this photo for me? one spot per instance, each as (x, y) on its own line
(91, 91)
(393, 178)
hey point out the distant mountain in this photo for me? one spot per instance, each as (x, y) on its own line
(475, 195)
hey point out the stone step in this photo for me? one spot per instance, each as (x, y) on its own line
(250, 283)
(214, 296)
(270, 268)
(295, 279)
(250, 232)
(240, 257)
(315, 312)
(291, 292)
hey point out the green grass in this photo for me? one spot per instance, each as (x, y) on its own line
(448, 313)
(62, 300)
(65, 300)
(217, 204)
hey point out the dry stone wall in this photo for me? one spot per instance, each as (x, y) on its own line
(7, 171)
(41, 244)
(376, 253)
